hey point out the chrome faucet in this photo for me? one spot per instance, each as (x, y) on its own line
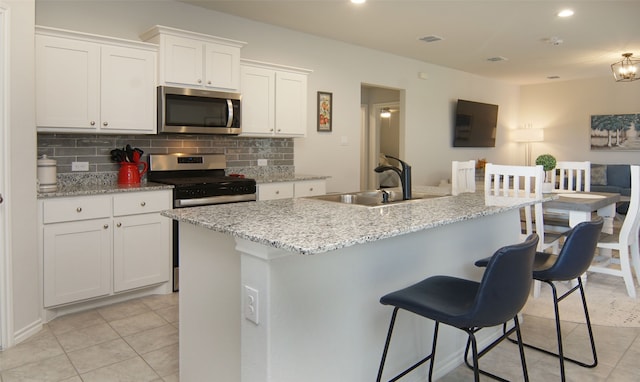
(404, 174)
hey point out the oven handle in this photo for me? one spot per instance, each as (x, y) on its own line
(213, 200)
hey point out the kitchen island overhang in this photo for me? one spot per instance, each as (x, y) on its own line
(318, 316)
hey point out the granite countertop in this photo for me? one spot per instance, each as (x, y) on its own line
(288, 178)
(97, 189)
(95, 186)
(307, 226)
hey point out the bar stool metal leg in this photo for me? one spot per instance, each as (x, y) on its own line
(506, 334)
(560, 354)
(425, 359)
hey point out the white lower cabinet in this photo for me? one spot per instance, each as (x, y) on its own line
(284, 190)
(97, 246)
(140, 251)
(77, 261)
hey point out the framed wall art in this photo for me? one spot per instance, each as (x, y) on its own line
(615, 132)
(325, 111)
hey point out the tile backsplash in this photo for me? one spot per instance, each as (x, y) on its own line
(242, 153)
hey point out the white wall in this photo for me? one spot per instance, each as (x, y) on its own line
(338, 68)
(21, 182)
(564, 109)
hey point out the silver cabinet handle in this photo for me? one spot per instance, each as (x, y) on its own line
(1, 199)
(119, 225)
(92, 123)
(79, 209)
(105, 123)
(311, 189)
(208, 82)
(278, 192)
(199, 81)
(105, 226)
(143, 204)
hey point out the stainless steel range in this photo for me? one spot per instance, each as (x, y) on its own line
(198, 180)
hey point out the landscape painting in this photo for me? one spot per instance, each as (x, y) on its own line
(615, 132)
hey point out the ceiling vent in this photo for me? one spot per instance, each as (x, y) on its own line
(497, 59)
(432, 38)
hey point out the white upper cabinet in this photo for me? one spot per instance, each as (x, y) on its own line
(94, 84)
(196, 60)
(274, 100)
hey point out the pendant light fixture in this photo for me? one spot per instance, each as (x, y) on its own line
(627, 69)
(385, 113)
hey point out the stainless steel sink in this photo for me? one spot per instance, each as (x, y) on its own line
(372, 198)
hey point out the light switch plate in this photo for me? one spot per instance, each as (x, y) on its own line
(79, 166)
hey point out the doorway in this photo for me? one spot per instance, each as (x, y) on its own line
(381, 134)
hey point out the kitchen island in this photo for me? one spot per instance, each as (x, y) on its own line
(288, 290)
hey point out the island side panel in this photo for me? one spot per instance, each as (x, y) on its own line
(209, 309)
(320, 316)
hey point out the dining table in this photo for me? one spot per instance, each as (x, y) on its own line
(581, 205)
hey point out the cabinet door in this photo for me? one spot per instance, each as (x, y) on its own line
(141, 251)
(222, 65)
(291, 104)
(258, 101)
(128, 90)
(183, 61)
(77, 261)
(67, 84)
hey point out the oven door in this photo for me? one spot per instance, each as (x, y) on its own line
(192, 111)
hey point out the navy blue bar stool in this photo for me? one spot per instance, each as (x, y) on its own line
(470, 305)
(572, 261)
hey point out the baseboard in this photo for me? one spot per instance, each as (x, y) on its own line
(27, 331)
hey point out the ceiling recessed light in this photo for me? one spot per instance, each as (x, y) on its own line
(565, 13)
(358, 1)
(497, 59)
(553, 77)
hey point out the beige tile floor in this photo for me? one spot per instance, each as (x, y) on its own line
(137, 341)
(133, 341)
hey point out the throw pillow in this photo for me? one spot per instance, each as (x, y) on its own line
(619, 175)
(598, 174)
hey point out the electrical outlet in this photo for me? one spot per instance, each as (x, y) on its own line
(262, 162)
(79, 166)
(251, 304)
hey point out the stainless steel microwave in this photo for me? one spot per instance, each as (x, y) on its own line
(194, 111)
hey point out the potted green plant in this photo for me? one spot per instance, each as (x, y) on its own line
(548, 163)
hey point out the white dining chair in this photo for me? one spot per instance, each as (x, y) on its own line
(572, 176)
(625, 241)
(523, 182)
(463, 177)
(569, 176)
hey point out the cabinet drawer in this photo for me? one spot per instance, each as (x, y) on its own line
(275, 191)
(141, 202)
(77, 208)
(310, 188)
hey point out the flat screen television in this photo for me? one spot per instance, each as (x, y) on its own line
(475, 124)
